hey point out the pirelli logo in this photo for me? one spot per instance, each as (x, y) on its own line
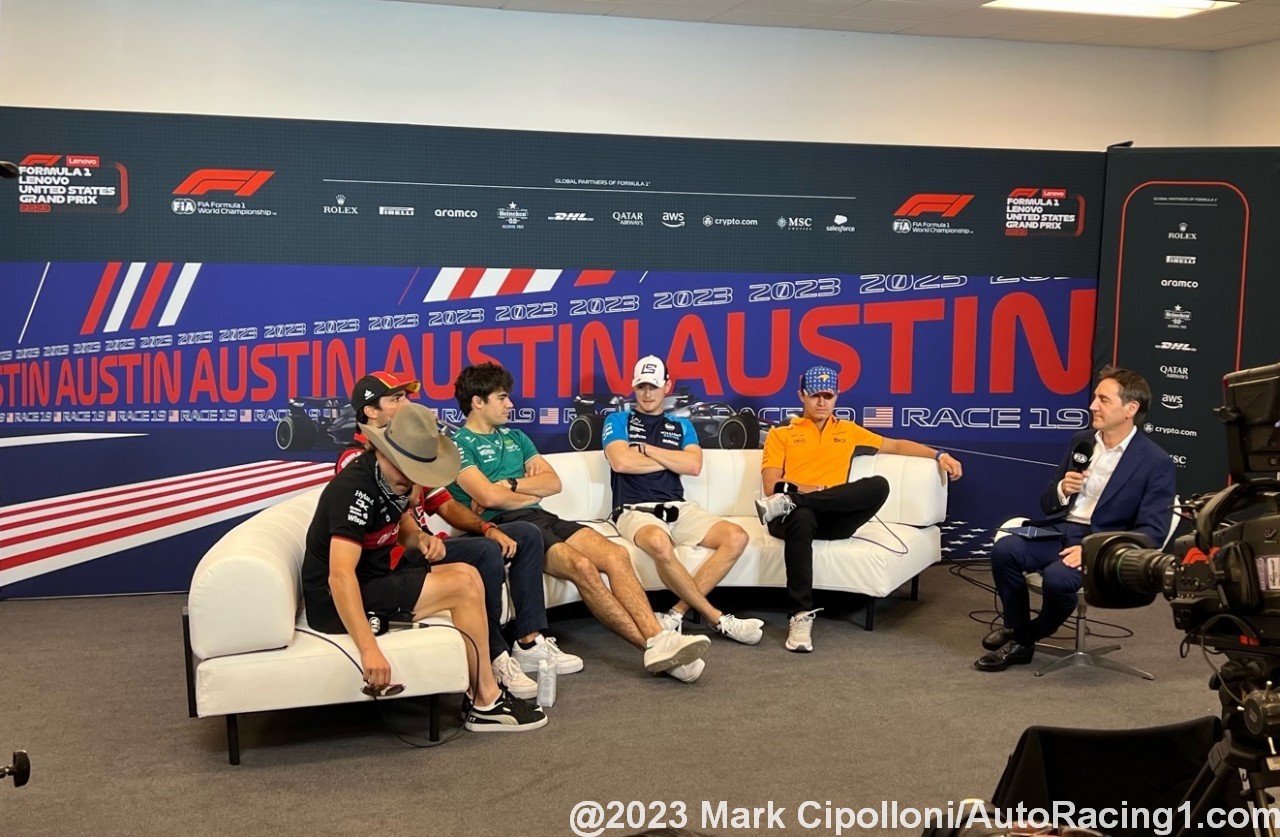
(240, 182)
(948, 206)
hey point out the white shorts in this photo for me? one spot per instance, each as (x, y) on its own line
(690, 527)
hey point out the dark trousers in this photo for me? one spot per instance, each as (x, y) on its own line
(524, 578)
(1014, 556)
(829, 515)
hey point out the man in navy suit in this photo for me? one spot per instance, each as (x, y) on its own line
(1112, 478)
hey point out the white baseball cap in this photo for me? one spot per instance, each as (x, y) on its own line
(649, 370)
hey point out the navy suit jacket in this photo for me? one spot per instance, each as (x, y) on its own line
(1138, 497)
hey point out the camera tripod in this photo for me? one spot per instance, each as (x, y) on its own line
(1241, 766)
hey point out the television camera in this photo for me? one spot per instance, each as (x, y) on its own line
(1222, 581)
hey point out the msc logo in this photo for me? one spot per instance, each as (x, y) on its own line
(184, 206)
(242, 182)
(1172, 402)
(787, 223)
(1175, 347)
(901, 225)
(1179, 459)
(948, 206)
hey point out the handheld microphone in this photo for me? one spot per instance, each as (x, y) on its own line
(1081, 455)
(8, 170)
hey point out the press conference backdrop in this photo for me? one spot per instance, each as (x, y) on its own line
(172, 283)
(1190, 287)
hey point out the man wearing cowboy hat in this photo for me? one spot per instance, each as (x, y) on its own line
(805, 474)
(360, 557)
(376, 398)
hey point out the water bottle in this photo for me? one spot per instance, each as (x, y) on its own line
(546, 684)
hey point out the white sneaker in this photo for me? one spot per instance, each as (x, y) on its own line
(670, 649)
(509, 675)
(688, 672)
(746, 631)
(773, 507)
(669, 621)
(545, 648)
(800, 635)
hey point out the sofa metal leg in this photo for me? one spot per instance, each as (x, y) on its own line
(870, 622)
(191, 672)
(233, 739)
(433, 718)
(915, 589)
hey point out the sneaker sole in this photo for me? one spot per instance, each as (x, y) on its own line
(755, 640)
(685, 654)
(562, 667)
(528, 693)
(760, 513)
(692, 679)
(799, 649)
(499, 727)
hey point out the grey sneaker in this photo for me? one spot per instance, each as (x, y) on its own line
(800, 634)
(773, 507)
(669, 621)
(670, 649)
(545, 648)
(746, 631)
(688, 672)
(510, 676)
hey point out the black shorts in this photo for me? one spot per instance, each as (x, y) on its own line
(393, 595)
(554, 528)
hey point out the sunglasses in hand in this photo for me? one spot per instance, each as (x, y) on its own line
(390, 691)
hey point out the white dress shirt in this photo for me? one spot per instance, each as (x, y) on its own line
(1101, 467)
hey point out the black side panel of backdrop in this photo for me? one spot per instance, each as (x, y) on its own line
(1190, 287)
(173, 281)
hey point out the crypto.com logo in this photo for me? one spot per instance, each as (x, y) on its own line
(242, 182)
(948, 206)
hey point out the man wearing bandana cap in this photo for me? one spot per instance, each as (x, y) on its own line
(804, 473)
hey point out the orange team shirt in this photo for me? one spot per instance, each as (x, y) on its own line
(809, 457)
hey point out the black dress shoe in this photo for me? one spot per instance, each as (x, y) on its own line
(997, 638)
(1011, 654)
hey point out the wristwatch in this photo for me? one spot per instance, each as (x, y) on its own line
(486, 526)
(512, 481)
(938, 456)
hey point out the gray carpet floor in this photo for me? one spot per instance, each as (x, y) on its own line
(94, 690)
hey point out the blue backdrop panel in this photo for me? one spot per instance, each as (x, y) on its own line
(177, 351)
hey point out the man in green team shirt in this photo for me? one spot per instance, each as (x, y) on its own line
(503, 477)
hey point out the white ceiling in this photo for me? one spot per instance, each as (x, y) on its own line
(1252, 22)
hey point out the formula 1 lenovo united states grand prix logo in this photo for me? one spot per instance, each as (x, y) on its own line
(191, 194)
(1043, 211)
(910, 216)
(49, 183)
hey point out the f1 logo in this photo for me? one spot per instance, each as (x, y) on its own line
(41, 160)
(243, 182)
(948, 206)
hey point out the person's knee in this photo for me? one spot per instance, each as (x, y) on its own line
(525, 534)
(1004, 554)
(579, 568)
(657, 544)
(736, 539)
(877, 489)
(1060, 580)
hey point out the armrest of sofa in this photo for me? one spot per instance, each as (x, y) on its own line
(917, 495)
(246, 590)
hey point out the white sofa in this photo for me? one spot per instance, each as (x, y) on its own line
(729, 484)
(248, 646)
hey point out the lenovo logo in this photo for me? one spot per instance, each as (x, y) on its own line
(242, 182)
(948, 206)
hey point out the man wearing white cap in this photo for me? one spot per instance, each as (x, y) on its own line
(504, 477)
(360, 558)
(804, 472)
(648, 451)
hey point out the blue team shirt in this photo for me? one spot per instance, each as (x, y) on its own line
(661, 431)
